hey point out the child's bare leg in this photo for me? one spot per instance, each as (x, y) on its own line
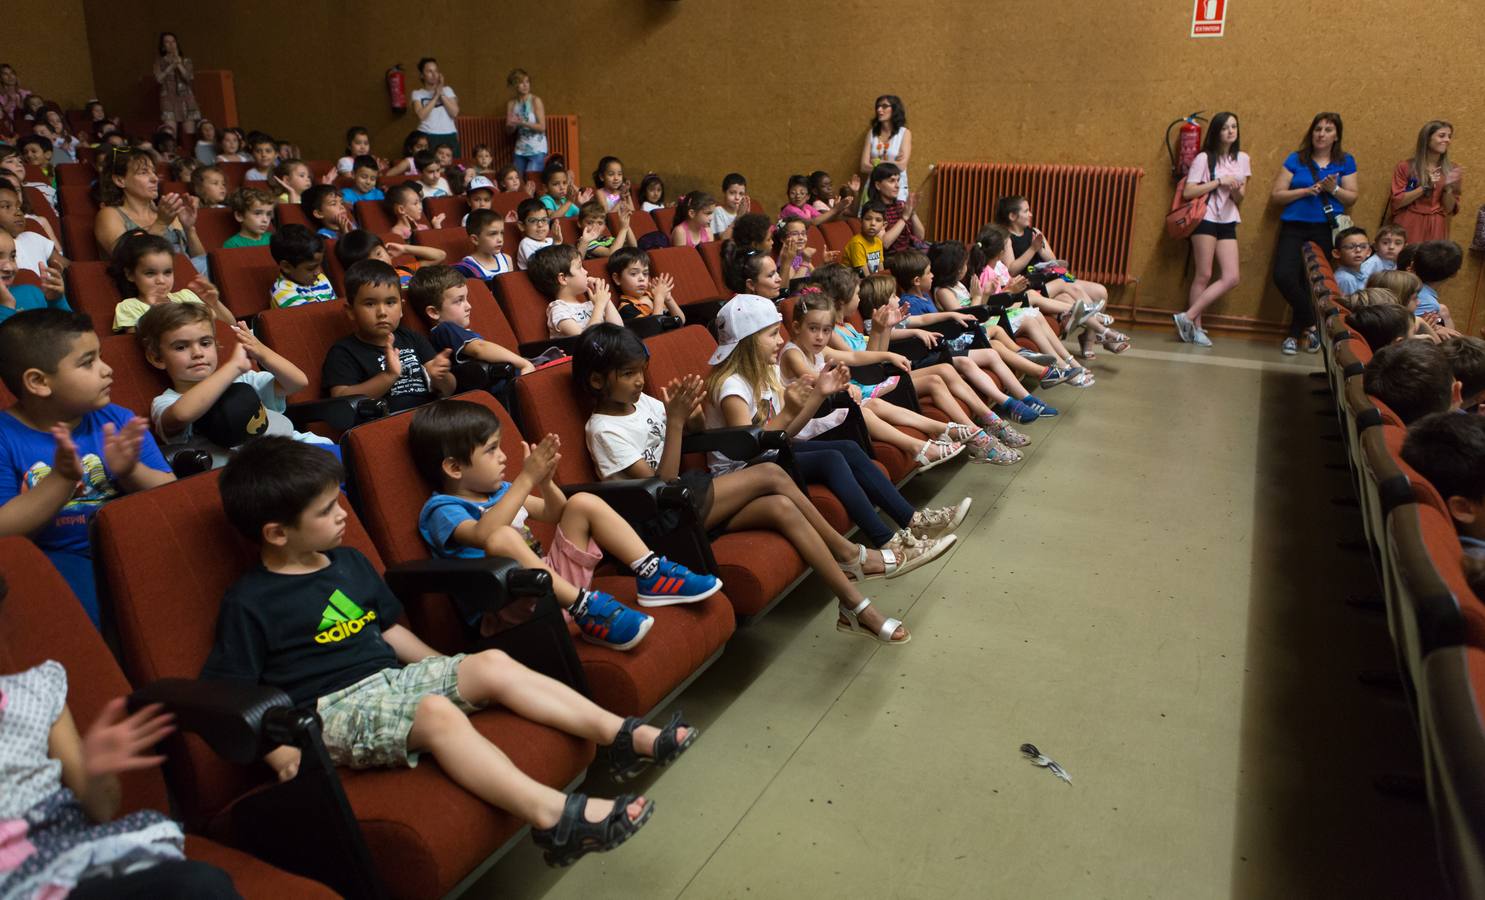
(1054, 301)
(478, 766)
(775, 513)
(902, 417)
(1018, 363)
(978, 380)
(990, 361)
(962, 392)
(931, 384)
(509, 543)
(586, 515)
(1041, 334)
(880, 430)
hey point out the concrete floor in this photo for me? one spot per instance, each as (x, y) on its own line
(1154, 598)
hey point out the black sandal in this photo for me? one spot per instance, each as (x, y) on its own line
(574, 837)
(625, 763)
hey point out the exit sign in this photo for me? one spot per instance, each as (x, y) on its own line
(1208, 18)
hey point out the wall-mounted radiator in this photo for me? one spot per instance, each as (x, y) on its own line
(1087, 212)
(562, 137)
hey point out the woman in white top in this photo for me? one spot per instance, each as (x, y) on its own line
(436, 106)
(1220, 172)
(889, 140)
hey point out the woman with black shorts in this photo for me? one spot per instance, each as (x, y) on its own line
(1220, 172)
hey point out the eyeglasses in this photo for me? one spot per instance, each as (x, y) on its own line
(534, 220)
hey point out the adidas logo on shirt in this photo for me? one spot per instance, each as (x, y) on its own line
(341, 619)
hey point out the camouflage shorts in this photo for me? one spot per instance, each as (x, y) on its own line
(366, 725)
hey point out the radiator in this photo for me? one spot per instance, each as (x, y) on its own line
(1087, 212)
(562, 137)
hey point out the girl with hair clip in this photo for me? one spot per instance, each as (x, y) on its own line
(693, 219)
(229, 147)
(748, 271)
(904, 230)
(1220, 172)
(792, 252)
(805, 355)
(633, 435)
(608, 183)
(888, 140)
(744, 389)
(1426, 188)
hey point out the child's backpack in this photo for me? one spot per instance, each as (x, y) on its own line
(655, 240)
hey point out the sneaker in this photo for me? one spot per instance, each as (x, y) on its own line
(1185, 330)
(1042, 409)
(1041, 359)
(673, 583)
(1289, 347)
(1007, 435)
(1312, 341)
(931, 523)
(1055, 376)
(1200, 339)
(986, 449)
(1019, 411)
(609, 623)
(909, 552)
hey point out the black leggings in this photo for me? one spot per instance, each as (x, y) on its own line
(1290, 275)
(185, 879)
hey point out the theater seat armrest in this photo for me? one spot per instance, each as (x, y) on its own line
(477, 375)
(485, 585)
(649, 326)
(636, 499)
(239, 721)
(533, 349)
(734, 443)
(339, 413)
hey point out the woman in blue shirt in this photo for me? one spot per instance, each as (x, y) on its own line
(1318, 175)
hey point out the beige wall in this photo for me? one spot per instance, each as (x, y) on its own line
(46, 42)
(695, 88)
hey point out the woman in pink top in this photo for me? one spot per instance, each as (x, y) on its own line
(1220, 172)
(1426, 188)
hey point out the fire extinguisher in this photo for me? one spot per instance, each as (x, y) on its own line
(397, 89)
(1187, 144)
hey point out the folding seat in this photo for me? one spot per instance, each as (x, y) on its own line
(664, 219)
(42, 207)
(165, 557)
(453, 210)
(390, 492)
(214, 226)
(35, 173)
(78, 201)
(74, 175)
(1435, 606)
(373, 214)
(815, 239)
(333, 269)
(836, 234)
(453, 241)
(853, 223)
(505, 202)
(685, 351)
(41, 620)
(549, 406)
(174, 187)
(1452, 699)
(235, 173)
(694, 286)
(526, 310)
(90, 289)
(303, 335)
(640, 222)
(570, 229)
(318, 168)
(711, 255)
(244, 276)
(292, 214)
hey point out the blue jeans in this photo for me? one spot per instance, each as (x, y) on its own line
(450, 139)
(844, 468)
(526, 164)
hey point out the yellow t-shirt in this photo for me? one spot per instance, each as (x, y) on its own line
(128, 313)
(862, 253)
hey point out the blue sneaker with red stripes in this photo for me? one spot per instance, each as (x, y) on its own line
(609, 623)
(673, 583)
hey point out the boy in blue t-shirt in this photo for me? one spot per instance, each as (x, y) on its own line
(16, 297)
(1435, 262)
(441, 294)
(64, 449)
(1350, 254)
(364, 171)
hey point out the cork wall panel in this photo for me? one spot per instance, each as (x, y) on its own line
(696, 88)
(45, 42)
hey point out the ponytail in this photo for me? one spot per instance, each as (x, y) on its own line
(740, 264)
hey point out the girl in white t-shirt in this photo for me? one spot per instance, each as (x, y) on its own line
(633, 435)
(1220, 172)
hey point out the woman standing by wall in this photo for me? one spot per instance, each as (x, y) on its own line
(176, 75)
(12, 95)
(888, 140)
(1426, 188)
(1316, 184)
(436, 106)
(1221, 172)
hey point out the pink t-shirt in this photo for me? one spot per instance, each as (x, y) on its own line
(806, 212)
(1220, 207)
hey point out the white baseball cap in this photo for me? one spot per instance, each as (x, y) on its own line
(479, 183)
(739, 317)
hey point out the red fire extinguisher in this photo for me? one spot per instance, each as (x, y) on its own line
(397, 89)
(1187, 144)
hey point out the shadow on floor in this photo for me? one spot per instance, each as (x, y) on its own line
(1309, 822)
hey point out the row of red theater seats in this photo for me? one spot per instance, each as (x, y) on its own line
(423, 834)
(1436, 620)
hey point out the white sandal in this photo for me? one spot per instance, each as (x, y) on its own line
(852, 625)
(856, 570)
(950, 451)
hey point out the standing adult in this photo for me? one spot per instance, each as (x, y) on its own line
(12, 95)
(888, 140)
(1315, 185)
(436, 106)
(1220, 172)
(1426, 188)
(176, 75)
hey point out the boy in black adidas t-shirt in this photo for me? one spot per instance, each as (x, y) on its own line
(383, 359)
(316, 621)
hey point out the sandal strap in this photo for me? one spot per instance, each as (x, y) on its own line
(888, 629)
(621, 753)
(667, 745)
(860, 607)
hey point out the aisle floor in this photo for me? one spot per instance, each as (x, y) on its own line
(1154, 598)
